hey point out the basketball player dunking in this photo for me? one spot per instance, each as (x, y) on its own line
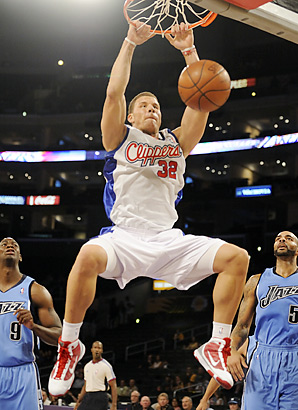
(144, 172)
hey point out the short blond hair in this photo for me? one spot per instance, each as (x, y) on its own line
(133, 101)
(163, 395)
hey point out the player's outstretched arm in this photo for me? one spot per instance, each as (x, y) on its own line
(114, 110)
(240, 333)
(237, 360)
(182, 38)
(193, 122)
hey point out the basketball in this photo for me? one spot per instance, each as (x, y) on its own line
(204, 85)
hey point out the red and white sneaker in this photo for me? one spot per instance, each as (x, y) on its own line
(213, 357)
(62, 375)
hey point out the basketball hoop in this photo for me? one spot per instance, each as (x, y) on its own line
(164, 14)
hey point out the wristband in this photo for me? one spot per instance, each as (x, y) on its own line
(130, 42)
(188, 51)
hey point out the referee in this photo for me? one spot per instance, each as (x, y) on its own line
(93, 395)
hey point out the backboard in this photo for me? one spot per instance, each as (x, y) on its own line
(279, 17)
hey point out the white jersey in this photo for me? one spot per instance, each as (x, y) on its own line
(144, 180)
(96, 373)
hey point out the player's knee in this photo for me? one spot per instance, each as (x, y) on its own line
(240, 260)
(91, 260)
(231, 258)
(234, 258)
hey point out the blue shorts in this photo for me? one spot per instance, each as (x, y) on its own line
(272, 378)
(20, 388)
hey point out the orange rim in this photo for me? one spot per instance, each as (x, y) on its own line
(208, 19)
(205, 22)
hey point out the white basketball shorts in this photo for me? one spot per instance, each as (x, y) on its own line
(182, 260)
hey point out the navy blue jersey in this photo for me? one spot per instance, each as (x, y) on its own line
(277, 309)
(17, 341)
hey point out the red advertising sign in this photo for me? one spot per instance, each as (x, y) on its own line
(43, 200)
(243, 83)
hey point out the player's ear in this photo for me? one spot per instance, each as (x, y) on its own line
(130, 118)
(20, 259)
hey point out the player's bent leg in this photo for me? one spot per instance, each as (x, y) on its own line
(81, 284)
(231, 262)
(81, 288)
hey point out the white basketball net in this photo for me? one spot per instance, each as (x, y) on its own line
(163, 14)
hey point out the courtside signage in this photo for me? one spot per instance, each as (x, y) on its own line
(43, 200)
(162, 285)
(253, 191)
(243, 83)
(201, 148)
(12, 200)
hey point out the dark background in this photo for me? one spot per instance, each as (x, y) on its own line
(63, 106)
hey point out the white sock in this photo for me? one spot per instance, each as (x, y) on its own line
(70, 331)
(221, 330)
